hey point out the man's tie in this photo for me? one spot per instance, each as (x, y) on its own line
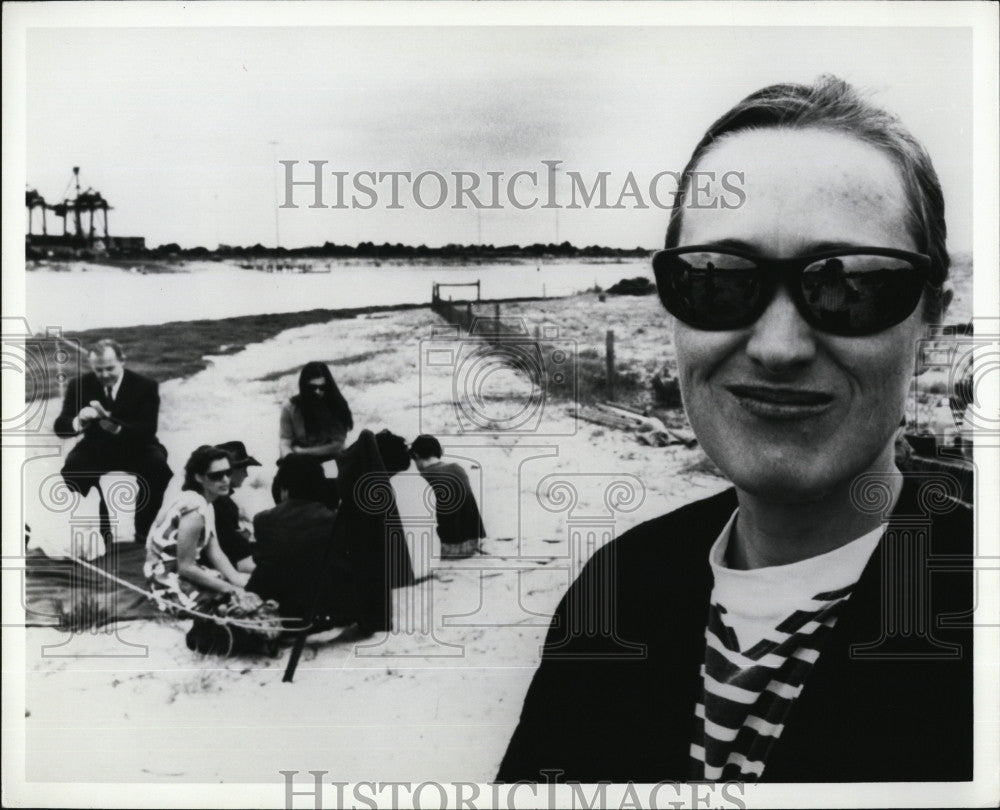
(107, 394)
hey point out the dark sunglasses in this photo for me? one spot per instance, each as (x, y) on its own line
(218, 475)
(850, 291)
(316, 387)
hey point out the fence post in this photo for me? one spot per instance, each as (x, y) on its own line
(610, 361)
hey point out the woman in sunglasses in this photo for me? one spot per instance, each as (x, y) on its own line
(183, 539)
(783, 630)
(315, 422)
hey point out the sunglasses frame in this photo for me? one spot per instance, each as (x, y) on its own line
(789, 271)
(218, 475)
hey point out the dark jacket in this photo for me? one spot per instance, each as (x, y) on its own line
(618, 703)
(234, 540)
(458, 518)
(369, 532)
(292, 541)
(136, 409)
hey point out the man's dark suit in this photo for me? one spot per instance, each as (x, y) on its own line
(618, 704)
(134, 449)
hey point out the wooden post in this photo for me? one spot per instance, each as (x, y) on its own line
(610, 362)
(479, 297)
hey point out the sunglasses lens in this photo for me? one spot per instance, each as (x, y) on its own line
(860, 294)
(219, 475)
(710, 290)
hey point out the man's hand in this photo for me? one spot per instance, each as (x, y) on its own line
(99, 409)
(87, 414)
(111, 427)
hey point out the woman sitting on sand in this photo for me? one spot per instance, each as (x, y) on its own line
(186, 528)
(315, 423)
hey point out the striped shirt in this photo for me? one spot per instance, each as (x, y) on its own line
(766, 628)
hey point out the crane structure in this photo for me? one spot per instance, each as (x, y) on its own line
(71, 209)
(84, 217)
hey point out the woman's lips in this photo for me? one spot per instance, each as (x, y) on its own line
(773, 402)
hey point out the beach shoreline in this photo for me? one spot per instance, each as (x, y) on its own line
(409, 705)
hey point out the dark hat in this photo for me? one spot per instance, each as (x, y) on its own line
(238, 454)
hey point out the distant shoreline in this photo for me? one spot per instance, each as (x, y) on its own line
(179, 349)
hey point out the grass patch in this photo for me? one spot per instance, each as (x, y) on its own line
(340, 361)
(172, 350)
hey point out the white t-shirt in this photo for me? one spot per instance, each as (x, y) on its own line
(765, 630)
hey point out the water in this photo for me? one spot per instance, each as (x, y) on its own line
(92, 296)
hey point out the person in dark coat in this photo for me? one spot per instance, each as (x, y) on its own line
(233, 528)
(293, 540)
(369, 532)
(459, 524)
(115, 412)
(787, 629)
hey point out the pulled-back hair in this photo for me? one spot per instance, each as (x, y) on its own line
(201, 459)
(832, 104)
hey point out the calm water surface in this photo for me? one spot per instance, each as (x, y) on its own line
(102, 296)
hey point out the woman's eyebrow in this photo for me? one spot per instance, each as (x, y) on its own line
(812, 247)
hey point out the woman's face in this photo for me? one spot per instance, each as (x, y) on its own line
(215, 480)
(786, 411)
(317, 387)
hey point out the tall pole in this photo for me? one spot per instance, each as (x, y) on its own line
(555, 196)
(274, 162)
(217, 243)
(76, 203)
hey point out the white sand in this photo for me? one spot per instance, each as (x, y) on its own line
(414, 705)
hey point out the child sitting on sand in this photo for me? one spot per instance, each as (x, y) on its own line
(459, 524)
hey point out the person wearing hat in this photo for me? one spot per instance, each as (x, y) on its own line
(233, 528)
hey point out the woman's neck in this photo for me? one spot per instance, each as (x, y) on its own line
(769, 532)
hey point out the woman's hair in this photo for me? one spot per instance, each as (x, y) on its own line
(333, 401)
(201, 459)
(832, 104)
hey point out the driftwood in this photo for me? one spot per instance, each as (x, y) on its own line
(647, 429)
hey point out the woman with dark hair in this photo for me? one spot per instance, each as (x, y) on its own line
(315, 422)
(184, 533)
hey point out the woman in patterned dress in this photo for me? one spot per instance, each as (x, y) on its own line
(183, 538)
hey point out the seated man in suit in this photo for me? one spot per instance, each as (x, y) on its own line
(786, 629)
(116, 411)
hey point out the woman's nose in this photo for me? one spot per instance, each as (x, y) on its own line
(781, 340)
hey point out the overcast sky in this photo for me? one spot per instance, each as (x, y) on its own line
(174, 125)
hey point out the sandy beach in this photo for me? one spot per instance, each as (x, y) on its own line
(436, 699)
